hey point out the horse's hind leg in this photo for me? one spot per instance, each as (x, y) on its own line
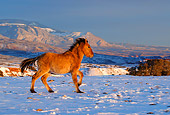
(80, 74)
(44, 80)
(34, 78)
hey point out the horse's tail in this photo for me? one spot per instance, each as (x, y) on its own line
(27, 63)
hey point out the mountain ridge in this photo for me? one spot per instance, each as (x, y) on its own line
(48, 39)
(23, 45)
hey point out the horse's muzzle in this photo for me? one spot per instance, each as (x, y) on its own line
(91, 55)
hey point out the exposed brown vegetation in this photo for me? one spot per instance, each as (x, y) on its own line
(155, 67)
(1, 74)
(12, 71)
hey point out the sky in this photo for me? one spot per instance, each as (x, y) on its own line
(145, 22)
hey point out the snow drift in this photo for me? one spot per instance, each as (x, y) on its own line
(87, 69)
(105, 71)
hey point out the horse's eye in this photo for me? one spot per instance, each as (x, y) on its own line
(88, 46)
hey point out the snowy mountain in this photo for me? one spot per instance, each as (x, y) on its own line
(30, 32)
(21, 22)
(26, 32)
(34, 32)
(93, 40)
(7, 44)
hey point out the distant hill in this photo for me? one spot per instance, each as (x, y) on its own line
(32, 36)
(14, 44)
(18, 21)
(93, 40)
(32, 31)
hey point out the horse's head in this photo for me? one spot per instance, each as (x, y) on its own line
(87, 49)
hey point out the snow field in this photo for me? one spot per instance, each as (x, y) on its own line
(87, 69)
(120, 94)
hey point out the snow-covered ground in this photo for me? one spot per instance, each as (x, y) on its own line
(87, 69)
(102, 69)
(108, 90)
(120, 94)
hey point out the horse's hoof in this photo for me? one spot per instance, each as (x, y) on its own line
(51, 91)
(32, 91)
(80, 92)
(79, 84)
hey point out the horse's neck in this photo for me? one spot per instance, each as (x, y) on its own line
(77, 52)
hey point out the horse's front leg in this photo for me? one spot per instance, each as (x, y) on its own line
(80, 74)
(74, 77)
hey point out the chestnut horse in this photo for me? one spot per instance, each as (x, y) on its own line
(67, 62)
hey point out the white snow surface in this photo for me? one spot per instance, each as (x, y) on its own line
(102, 69)
(87, 69)
(11, 24)
(48, 29)
(105, 94)
(71, 34)
(106, 71)
(117, 95)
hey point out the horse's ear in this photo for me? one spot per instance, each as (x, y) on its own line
(86, 40)
(77, 45)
